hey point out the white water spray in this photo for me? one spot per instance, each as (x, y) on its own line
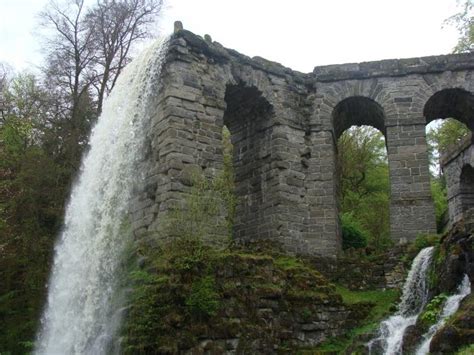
(81, 315)
(414, 298)
(450, 307)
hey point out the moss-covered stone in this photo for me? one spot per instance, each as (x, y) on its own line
(189, 297)
(458, 332)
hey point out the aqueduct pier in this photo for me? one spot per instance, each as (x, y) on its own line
(284, 127)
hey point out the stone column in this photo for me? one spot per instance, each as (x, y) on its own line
(185, 137)
(411, 205)
(323, 233)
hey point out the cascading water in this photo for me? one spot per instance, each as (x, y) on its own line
(450, 307)
(414, 298)
(81, 311)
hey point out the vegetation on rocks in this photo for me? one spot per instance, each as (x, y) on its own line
(190, 296)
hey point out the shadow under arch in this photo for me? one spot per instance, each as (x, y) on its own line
(357, 111)
(451, 103)
(248, 117)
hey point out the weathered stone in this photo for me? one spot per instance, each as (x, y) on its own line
(284, 127)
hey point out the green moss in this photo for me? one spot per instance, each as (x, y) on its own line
(288, 263)
(188, 291)
(203, 301)
(380, 303)
(468, 350)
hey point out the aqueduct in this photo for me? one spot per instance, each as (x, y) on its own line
(284, 127)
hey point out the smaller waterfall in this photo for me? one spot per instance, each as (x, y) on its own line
(449, 308)
(414, 298)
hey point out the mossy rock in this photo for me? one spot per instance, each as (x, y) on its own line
(191, 297)
(458, 331)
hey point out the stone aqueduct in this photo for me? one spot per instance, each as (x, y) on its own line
(284, 126)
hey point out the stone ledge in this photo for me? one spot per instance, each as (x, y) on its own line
(394, 67)
(455, 150)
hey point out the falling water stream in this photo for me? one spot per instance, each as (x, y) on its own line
(414, 298)
(81, 314)
(450, 307)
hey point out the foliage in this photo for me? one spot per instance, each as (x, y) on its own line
(226, 185)
(432, 310)
(422, 241)
(352, 234)
(44, 127)
(383, 301)
(468, 350)
(464, 23)
(32, 191)
(442, 136)
(206, 210)
(203, 300)
(439, 194)
(187, 254)
(365, 190)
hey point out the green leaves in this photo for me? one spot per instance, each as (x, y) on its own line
(464, 23)
(353, 236)
(203, 300)
(433, 310)
(365, 190)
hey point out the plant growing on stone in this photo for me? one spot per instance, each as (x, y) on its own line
(205, 211)
(203, 301)
(432, 310)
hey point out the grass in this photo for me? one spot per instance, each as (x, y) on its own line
(469, 350)
(382, 302)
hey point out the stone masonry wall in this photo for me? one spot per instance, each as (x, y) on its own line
(284, 126)
(456, 166)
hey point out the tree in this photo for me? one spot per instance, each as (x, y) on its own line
(117, 25)
(443, 137)
(86, 50)
(44, 125)
(32, 194)
(365, 190)
(464, 22)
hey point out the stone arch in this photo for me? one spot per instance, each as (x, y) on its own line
(248, 116)
(451, 103)
(357, 110)
(354, 111)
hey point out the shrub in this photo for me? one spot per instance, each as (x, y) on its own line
(432, 310)
(204, 299)
(353, 236)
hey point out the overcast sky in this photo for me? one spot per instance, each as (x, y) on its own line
(299, 34)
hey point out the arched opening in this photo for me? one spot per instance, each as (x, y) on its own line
(357, 111)
(247, 118)
(466, 188)
(449, 118)
(363, 187)
(451, 103)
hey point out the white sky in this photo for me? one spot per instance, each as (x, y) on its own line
(299, 34)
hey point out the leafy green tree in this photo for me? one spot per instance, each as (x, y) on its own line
(31, 205)
(353, 236)
(464, 22)
(443, 137)
(439, 193)
(365, 190)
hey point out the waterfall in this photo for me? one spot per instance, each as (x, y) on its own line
(450, 307)
(81, 314)
(414, 298)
